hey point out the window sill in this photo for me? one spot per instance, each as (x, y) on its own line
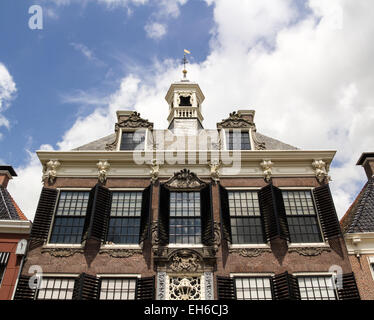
(249, 246)
(62, 245)
(121, 246)
(309, 245)
(184, 245)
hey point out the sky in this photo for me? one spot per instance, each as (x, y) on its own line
(305, 66)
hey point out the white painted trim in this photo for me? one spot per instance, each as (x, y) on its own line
(184, 245)
(308, 244)
(126, 189)
(249, 246)
(63, 246)
(60, 275)
(251, 274)
(121, 246)
(15, 226)
(312, 274)
(119, 275)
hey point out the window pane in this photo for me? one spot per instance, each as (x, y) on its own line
(56, 288)
(185, 221)
(133, 140)
(317, 288)
(301, 216)
(118, 289)
(246, 223)
(253, 288)
(238, 140)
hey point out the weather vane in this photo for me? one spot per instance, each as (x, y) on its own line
(185, 61)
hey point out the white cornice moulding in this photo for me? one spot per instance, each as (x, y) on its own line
(360, 243)
(15, 226)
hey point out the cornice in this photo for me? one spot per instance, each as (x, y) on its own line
(15, 226)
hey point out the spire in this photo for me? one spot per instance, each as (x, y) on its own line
(184, 62)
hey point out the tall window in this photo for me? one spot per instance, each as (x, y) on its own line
(118, 289)
(69, 217)
(238, 140)
(56, 288)
(185, 219)
(245, 217)
(124, 222)
(4, 256)
(132, 140)
(253, 288)
(301, 216)
(317, 288)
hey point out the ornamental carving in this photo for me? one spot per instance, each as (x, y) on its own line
(235, 120)
(309, 251)
(62, 252)
(267, 166)
(134, 121)
(249, 252)
(120, 253)
(161, 285)
(209, 289)
(217, 235)
(103, 167)
(185, 288)
(50, 171)
(155, 171)
(185, 95)
(321, 170)
(215, 165)
(183, 180)
(154, 232)
(184, 260)
(259, 145)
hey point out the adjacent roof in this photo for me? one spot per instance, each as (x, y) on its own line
(9, 209)
(8, 168)
(360, 216)
(270, 143)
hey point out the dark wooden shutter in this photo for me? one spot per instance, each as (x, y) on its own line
(273, 213)
(226, 288)
(349, 291)
(163, 216)
(145, 220)
(326, 211)
(225, 214)
(23, 291)
(98, 212)
(207, 225)
(87, 287)
(43, 216)
(145, 288)
(285, 287)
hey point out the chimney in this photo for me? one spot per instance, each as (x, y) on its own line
(6, 173)
(367, 161)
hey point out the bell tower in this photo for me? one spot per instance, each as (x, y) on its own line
(185, 99)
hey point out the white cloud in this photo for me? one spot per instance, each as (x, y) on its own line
(312, 89)
(7, 92)
(155, 30)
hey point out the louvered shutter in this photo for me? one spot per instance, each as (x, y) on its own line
(23, 291)
(86, 287)
(145, 220)
(349, 291)
(207, 225)
(98, 212)
(145, 288)
(326, 211)
(273, 213)
(226, 288)
(163, 216)
(285, 287)
(43, 216)
(225, 214)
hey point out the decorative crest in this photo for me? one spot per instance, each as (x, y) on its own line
(50, 171)
(235, 120)
(185, 180)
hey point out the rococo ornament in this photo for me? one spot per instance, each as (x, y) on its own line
(120, 253)
(310, 251)
(185, 179)
(215, 165)
(155, 171)
(62, 252)
(321, 170)
(235, 120)
(103, 167)
(184, 260)
(50, 171)
(249, 252)
(267, 166)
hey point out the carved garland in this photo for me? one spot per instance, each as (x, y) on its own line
(184, 261)
(309, 251)
(120, 253)
(249, 252)
(235, 121)
(62, 252)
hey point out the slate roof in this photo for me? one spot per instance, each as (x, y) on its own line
(270, 143)
(9, 209)
(360, 216)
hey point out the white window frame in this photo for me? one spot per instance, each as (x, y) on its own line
(319, 274)
(55, 275)
(226, 130)
(371, 265)
(118, 148)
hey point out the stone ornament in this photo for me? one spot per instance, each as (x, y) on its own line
(217, 235)
(209, 289)
(259, 145)
(161, 285)
(184, 261)
(50, 171)
(249, 252)
(185, 95)
(267, 166)
(62, 252)
(154, 233)
(155, 171)
(185, 288)
(321, 170)
(309, 251)
(235, 121)
(120, 253)
(103, 167)
(215, 165)
(185, 180)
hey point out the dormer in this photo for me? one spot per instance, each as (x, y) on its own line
(185, 99)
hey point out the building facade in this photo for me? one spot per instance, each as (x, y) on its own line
(186, 213)
(358, 228)
(14, 232)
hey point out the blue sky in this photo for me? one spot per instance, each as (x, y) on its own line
(47, 65)
(305, 66)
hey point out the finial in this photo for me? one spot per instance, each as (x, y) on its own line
(185, 61)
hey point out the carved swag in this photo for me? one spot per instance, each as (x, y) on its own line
(184, 180)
